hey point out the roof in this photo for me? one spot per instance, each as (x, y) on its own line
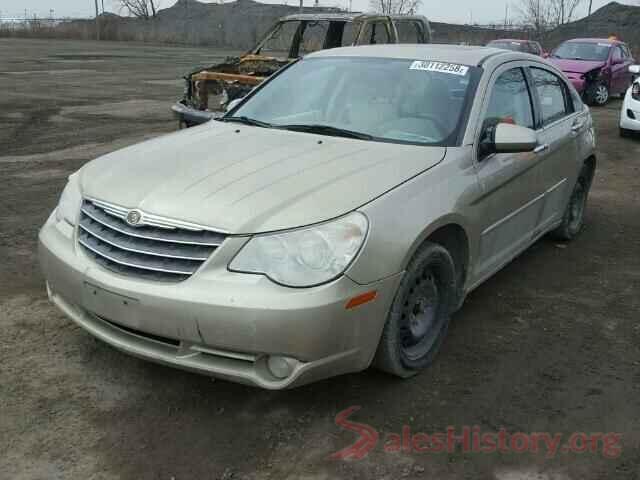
(348, 17)
(521, 40)
(441, 53)
(595, 40)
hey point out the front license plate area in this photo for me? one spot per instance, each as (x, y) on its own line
(112, 306)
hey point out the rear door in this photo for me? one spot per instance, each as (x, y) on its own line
(558, 127)
(513, 190)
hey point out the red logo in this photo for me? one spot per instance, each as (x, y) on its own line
(363, 445)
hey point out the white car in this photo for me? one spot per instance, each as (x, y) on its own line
(630, 115)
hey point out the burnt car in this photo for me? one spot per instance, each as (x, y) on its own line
(209, 91)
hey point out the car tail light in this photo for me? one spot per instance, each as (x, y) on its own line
(635, 91)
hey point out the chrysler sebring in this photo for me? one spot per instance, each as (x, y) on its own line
(333, 219)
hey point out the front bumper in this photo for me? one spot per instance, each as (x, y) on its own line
(626, 120)
(217, 322)
(190, 116)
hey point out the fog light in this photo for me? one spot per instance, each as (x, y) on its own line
(280, 367)
(630, 114)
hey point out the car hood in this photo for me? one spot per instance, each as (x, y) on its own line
(576, 66)
(241, 179)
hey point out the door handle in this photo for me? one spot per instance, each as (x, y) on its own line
(541, 148)
(576, 127)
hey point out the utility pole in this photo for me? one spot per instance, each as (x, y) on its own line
(590, 5)
(97, 21)
(301, 6)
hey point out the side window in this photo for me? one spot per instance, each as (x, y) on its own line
(348, 34)
(409, 31)
(510, 101)
(553, 95)
(313, 37)
(375, 33)
(617, 53)
(279, 43)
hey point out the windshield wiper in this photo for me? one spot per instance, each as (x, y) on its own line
(247, 121)
(327, 130)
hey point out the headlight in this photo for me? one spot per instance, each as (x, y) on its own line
(70, 201)
(305, 257)
(592, 75)
(635, 91)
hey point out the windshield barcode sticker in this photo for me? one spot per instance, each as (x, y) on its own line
(441, 67)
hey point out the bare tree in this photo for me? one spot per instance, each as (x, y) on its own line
(139, 8)
(395, 7)
(537, 15)
(542, 15)
(97, 21)
(562, 11)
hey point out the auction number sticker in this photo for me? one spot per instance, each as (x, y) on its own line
(442, 67)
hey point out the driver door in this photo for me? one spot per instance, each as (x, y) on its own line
(512, 183)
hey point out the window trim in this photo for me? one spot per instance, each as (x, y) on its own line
(569, 108)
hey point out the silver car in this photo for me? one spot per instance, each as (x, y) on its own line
(334, 219)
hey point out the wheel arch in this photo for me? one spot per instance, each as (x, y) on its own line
(451, 233)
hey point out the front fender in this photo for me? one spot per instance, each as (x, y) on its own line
(401, 220)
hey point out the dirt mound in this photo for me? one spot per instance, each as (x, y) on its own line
(237, 25)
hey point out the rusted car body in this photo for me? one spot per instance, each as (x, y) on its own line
(208, 91)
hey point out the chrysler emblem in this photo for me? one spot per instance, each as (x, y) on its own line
(134, 217)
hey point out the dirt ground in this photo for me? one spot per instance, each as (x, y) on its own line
(550, 344)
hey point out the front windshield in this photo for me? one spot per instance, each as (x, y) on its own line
(278, 43)
(396, 100)
(591, 51)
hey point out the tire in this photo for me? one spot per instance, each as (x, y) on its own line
(598, 94)
(573, 218)
(418, 320)
(624, 133)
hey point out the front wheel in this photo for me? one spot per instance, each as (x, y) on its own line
(419, 317)
(598, 94)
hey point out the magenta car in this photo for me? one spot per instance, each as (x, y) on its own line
(598, 68)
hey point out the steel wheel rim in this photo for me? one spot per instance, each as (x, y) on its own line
(602, 94)
(420, 318)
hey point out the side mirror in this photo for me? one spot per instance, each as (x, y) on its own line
(514, 139)
(233, 104)
(635, 69)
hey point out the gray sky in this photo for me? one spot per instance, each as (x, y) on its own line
(458, 11)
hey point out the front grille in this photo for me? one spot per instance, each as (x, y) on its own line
(160, 249)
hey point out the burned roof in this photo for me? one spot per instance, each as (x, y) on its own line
(347, 17)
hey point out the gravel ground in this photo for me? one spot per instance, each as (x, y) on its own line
(550, 344)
